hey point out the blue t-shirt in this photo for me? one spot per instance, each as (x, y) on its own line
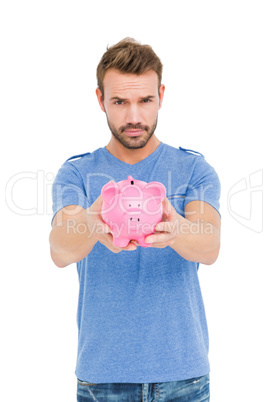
(140, 313)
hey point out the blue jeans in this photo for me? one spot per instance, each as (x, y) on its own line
(193, 390)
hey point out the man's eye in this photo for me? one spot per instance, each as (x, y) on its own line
(119, 103)
(146, 100)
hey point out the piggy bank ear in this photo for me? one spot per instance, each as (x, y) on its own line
(158, 190)
(109, 191)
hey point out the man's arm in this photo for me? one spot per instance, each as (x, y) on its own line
(195, 237)
(76, 230)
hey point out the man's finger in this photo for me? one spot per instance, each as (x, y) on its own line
(106, 229)
(163, 227)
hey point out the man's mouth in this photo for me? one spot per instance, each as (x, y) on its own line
(133, 133)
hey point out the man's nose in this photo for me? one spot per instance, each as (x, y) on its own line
(133, 115)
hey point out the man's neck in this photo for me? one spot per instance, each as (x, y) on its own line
(132, 156)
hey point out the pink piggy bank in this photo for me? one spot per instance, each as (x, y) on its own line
(132, 209)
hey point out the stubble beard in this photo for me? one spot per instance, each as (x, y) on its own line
(132, 142)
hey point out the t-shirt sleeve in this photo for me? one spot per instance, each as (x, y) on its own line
(204, 184)
(68, 189)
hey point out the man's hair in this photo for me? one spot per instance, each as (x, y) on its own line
(129, 56)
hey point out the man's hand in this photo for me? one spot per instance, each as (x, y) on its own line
(196, 238)
(166, 230)
(76, 230)
(101, 231)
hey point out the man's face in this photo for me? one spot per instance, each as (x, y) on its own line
(131, 103)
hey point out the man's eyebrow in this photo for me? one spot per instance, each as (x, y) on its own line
(117, 98)
(124, 99)
(148, 97)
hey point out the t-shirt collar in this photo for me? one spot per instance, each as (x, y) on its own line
(144, 161)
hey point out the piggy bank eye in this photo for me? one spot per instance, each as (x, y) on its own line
(129, 205)
(139, 205)
(138, 219)
(131, 219)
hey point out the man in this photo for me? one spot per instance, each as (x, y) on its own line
(141, 320)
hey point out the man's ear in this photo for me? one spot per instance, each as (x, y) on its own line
(161, 94)
(100, 99)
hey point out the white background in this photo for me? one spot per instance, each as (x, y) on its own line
(215, 71)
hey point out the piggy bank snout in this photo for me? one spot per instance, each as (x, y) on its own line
(133, 210)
